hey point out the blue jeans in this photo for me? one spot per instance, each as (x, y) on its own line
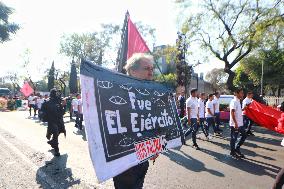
(202, 125)
(234, 137)
(247, 123)
(210, 123)
(192, 129)
(217, 120)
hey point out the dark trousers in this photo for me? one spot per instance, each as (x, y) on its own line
(234, 138)
(247, 123)
(182, 111)
(133, 178)
(32, 106)
(79, 121)
(217, 120)
(279, 181)
(202, 125)
(53, 131)
(210, 123)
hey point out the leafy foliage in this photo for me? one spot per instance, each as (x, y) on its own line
(6, 28)
(230, 30)
(73, 83)
(51, 77)
(217, 77)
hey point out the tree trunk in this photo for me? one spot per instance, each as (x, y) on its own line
(230, 81)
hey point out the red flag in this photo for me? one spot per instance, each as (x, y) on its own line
(265, 116)
(27, 89)
(131, 42)
(136, 44)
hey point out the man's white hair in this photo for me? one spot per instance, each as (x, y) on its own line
(133, 63)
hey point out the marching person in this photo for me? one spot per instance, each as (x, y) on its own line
(139, 66)
(32, 104)
(53, 113)
(181, 100)
(237, 124)
(74, 105)
(216, 104)
(209, 115)
(247, 122)
(192, 115)
(201, 113)
(39, 102)
(79, 113)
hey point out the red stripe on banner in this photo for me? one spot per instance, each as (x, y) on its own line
(266, 116)
(136, 44)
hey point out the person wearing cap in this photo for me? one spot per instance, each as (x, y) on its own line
(192, 115)
(53, 113)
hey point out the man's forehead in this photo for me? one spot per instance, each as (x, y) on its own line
(146, 61)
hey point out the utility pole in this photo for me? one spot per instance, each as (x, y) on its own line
(261, 80)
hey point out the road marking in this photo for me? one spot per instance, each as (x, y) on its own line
(40, 173)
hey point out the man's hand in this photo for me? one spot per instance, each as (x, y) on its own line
(188, 122)
(236, 126)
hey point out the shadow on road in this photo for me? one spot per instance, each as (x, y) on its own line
(81, 132)
(190, 163)
(56, 174)
(248, 165)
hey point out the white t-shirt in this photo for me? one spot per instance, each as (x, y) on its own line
(209, 104)
(201, 107)
(75, 105)
(39, 102)
(236, 105)
(246, 101)
(31, 100)
(216, 103)
(192, 103)
(80, 105)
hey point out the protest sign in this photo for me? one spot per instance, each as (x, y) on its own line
(127, 120)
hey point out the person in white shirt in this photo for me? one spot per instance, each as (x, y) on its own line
(32, 104)
(74, 105)
(237, 124)
(247, 122)
(79, 115)
(209, 115)
(192, 115)
(216, 104)
(201, 113)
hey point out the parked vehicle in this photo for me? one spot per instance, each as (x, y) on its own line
(5, 92)
(225, 107)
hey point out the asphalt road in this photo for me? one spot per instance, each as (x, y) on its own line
(27, 162)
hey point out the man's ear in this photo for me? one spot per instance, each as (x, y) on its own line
(132, 72)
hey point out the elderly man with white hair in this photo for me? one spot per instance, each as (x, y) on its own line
(140, 66)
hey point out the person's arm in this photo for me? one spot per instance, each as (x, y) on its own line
(188, 115)
(233, 115)
(209, 111)
(214, 106)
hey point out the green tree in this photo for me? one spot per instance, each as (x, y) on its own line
(217, 77)
(250, 69)
(51, 77)
(6, 28)
(42, 85)
(230, 30)
(73, 83)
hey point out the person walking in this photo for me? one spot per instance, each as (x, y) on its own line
(201, 113)
(216, 103)
(31, 104)
(53, 114)
(237, 124)
(79, 113)
(139, 66)
(247, 122)
(192, 115)
(181, 100)
(209, 116)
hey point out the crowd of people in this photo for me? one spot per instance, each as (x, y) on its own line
(203, 111)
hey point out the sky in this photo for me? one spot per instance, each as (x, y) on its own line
(44, 22)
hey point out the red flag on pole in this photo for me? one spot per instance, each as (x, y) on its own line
(136, 43)
(131, 42)
(266, 116)
(27, 89)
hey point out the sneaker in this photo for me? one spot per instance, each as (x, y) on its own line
(196, 146)
(217, 133)
(250, 133)
(238, 152)
(234, 155)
